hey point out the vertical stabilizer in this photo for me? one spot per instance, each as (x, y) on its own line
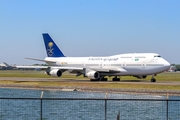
(51, 47)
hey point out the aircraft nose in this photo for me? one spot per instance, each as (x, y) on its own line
(167, 64)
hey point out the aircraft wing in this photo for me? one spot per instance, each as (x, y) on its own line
(53, 67)
(41, 67)
(41, 60)
(104, 69)
(66, 68)
(109, 69)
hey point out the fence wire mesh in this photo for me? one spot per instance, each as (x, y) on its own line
(74, 109)
(16, 104)
(20, 109)
(88, 109)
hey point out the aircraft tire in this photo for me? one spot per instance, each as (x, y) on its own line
(94, 79)
(104, 79)
(153, 80)
(116, 79)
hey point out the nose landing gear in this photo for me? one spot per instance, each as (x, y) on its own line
(153, 78)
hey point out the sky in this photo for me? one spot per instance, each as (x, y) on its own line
(83, 28)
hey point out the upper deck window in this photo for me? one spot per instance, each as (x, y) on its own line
(126, 57)
(140, 57)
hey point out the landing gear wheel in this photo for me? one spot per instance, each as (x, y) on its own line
(94, 79)
(116, 79)
(153, 80)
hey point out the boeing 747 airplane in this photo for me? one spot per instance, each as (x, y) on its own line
(97, 68)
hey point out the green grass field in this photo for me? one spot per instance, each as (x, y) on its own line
(40, 74)
(21, 71)
(95, 85)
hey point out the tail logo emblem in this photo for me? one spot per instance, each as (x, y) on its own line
(50, 49)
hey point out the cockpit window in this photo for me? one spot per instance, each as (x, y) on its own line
(157, 56)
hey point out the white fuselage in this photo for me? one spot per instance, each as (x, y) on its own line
(128, 64)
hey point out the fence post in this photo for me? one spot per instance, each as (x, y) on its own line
(118, 115)
(105, 105)
(167, 104)
(41, 104)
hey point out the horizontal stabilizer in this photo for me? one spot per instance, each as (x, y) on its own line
(7, 65)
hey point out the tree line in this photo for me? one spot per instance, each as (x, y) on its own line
(177, 66)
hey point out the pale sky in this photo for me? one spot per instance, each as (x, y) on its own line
(83, 28)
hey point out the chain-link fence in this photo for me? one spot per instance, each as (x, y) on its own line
(88, 109)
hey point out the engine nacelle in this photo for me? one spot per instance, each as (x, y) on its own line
(141, 77)
(55, 73)
(93, 75)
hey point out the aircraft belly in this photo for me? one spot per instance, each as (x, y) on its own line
(142, 71)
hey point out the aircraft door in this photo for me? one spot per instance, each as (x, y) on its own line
(143, 65)
(101, 64)
(123, 64)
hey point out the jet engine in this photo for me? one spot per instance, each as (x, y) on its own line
(93, 75)
(141, 77)
(55, 73)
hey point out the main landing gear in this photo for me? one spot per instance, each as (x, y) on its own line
(153, 78)
(99, 79)
(105, 79)
(116, 79)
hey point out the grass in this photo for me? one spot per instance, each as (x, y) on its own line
(127, 78)
(170, 73)
(39, 74)
(21, 71)
(95, 85)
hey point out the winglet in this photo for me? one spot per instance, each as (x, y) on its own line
(51, 47)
